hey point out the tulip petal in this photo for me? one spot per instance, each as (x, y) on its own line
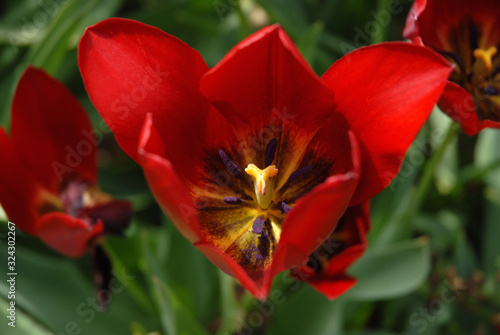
(458, 104)
(51, 132)
(411, 29)
(264, 81)
(115, 215)
(170, 192)
(344, 247)
(68, 235)
(434, 20)
(387, 111)
(333, 287)
(130, 69)
(19, 191)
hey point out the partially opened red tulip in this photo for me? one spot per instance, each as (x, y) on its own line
(326, 269)
(48, 175)
(256, 159)
(468, 35)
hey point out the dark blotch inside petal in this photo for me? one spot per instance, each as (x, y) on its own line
(270, 151)
(299, 173)
(258, 224)
(285, 208)
(232, 200)
(230, 165)
(474, 36)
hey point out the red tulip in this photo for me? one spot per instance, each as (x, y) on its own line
(256, 159)
(467, 34)
(48, 175)
(326, 269)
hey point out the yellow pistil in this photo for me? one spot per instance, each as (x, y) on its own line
(263, 191)
(486, 56)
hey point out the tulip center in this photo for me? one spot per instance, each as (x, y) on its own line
(242, 198)
(263, 189)
(476, 67)
(89, 203)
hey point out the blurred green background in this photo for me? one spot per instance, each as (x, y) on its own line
(433, 262)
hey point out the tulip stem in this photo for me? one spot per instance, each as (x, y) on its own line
(379, 17)
(230, 307)
(133, 288)
(399, 224)
(429, 170)
(244, 27)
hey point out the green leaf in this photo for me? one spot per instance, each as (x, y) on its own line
(309, 39)
(24, 324)
(290, 13)
(194, 279)
(56, 293)
(487, 153)
(230, 307)
(464, 256)
(491, 237)
(51, 49)
(175, 318)
(391, 271)
(299, 311)
(167, 316)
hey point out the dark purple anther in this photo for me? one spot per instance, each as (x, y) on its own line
(492, 90)
(299, 173)
(285, 208)
(230, 165)
(232, 200)
(270, 151)
(258, 224)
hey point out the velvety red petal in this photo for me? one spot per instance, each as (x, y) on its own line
(264, 80)
(411, 28)
(387, 110)
(170, 192)
(332, 279)
(68, 235)
(130, 69)
(19, 190)
(436, 18)
(51, 132)
(458, 104)
(333, 287)
(356, 224)
(339, 263)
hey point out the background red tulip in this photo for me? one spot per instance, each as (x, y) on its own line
(466, 33)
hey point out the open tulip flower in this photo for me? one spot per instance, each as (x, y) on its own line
(48, 175)
(326, 268)
(468, 35)
(256, 159)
